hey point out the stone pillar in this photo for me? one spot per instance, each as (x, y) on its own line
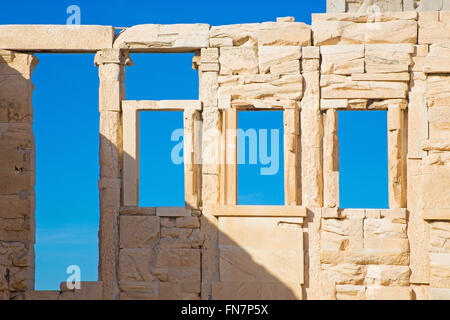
(17, 175)
(312, 178)
(396, 157)
(208, 85)
(331, 160)
(111, 63)
(292, 154)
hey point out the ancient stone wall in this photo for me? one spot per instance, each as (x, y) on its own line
(374, 6)
(213, 248)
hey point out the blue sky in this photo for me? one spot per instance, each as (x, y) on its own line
(66, 126)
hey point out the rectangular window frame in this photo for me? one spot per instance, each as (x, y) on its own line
(292, 168)
(192, 154)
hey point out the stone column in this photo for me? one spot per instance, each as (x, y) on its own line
(17, 175)
(111, 63)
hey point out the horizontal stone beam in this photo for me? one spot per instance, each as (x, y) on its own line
(259, 211)
(56, 38)
(163, 105)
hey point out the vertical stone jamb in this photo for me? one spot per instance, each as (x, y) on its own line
(312, 180)
(228, 176)
(292, 154)
(396, 157)
(192, 147)
(111, 63)
(211, 145)
(331, 159)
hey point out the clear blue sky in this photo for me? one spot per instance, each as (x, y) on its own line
(66, 126)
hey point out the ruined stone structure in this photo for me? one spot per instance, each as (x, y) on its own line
(213, 248)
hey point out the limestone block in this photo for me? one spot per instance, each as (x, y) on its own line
(261, 265)
(310, 64)
(311, 52)
(437, 61)
(181, 264)
(274, 243)
(188, 222)
(388, 293)
(256, 291)
(437, 92)
(286, 68)
(345, 273)
(139, 290)
(400, 76)
(14, 180)
(138, 231)
(440, 237)
(417, 120)
(378, 255)
(440, 270)
(164, 38)
(387, 62)
(173, 212)
(344, 31)
(270, 56)
(326, 104)
(433, 186)
(18, 279)
(342, 234)
(267, 33)
(378, 6)
(343, 59)
(240, 34)
(383, 275)
(439, 122)
(259, 233)
(350, 292)
(365, 90)
(175, 233)
(139, 211)
(383, 228)
(240, 60)
(433, 27)
(430, 5)
(209, 55)
(336, 6)
(42, 295)
(284, 34)
(90, 290)
(440, 294)
(16, 206)
(220, 42)
(170, 291)
(56, 38)
(286, 87)
(134, 265)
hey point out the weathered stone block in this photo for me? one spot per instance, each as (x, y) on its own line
(387, 275)
(56, 38)
(164, 38)
(134, 265)
(388, 293)
(139, 232)
(239, 60)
